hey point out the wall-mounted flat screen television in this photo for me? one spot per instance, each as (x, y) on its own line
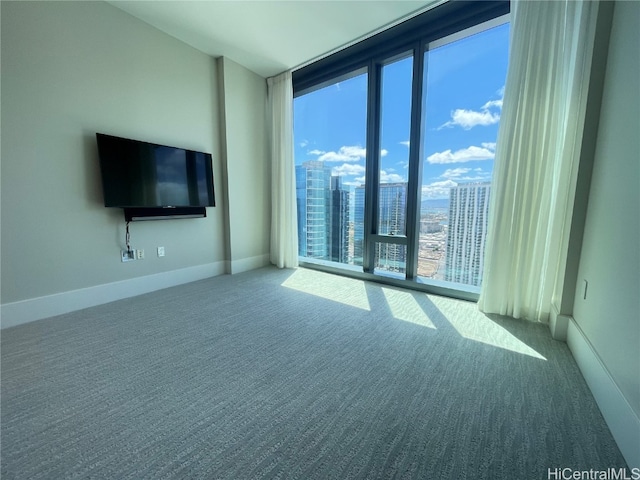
(138, 174)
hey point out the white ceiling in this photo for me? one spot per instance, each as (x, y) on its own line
(270, 36)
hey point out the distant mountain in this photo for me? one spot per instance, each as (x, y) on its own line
(437, 203)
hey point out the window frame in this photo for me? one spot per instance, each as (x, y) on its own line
(444, 23)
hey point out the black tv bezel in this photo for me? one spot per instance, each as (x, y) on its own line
(163, 213)
(158, 211)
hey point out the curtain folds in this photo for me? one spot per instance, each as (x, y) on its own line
(537, 155)
(284, 226)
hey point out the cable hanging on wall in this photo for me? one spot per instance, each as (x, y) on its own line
(128, 240)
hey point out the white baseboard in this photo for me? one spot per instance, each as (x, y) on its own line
(616, 410)
(558, 324)
(17, 313)
(250, 263)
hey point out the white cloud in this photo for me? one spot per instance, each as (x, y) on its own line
(406, 143)
(468, 154)
(345, 154)
(468, 119)
(352, 153)
(461, 175)
(492, 104)
(348, 169)
(478, 178)
(455, 172)
(489, 145)
(390, 177)
(304, 143)
(437, 189)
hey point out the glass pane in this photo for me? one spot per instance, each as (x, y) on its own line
(329, 136)
(464, 85)
(395, 125)
(391, 258)
(392, 212)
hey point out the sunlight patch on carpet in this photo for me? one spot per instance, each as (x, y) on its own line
(344, 290)
(410, 307)
(403, 306)
(470, 323)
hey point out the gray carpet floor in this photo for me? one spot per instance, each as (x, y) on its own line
(293, 374)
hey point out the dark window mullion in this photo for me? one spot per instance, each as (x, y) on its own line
(437, 22)
(414, 193)
(372, 174)
(394, 239)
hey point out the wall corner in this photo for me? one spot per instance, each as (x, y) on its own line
(558, 324)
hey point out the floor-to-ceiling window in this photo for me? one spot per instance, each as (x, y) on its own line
(464, 82)
(394, 147)
(390, 256)
(329, 134)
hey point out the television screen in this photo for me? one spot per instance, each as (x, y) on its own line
(142, 174)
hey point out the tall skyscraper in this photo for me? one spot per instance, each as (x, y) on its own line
(358, 225)
(392, 202)
(339, 249)
(312, 194)
(323, 213)
(468, 216)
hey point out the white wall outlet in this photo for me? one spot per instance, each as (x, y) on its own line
(161, 251)
(127, 255)
(139, 254)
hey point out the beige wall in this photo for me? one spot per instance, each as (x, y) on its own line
(70, 69)
(610, 261)
(246, 165)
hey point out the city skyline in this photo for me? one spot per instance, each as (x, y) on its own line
(464, 85)
(452, 240)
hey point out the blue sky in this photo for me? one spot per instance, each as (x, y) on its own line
(464, 85)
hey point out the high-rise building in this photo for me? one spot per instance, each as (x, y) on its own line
(312, 194)
(467, 232)
(323, 213)
(339, 249)
(358, 225)
(392, 203)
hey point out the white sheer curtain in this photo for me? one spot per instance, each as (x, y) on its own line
(284, 220)
(537, 154)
